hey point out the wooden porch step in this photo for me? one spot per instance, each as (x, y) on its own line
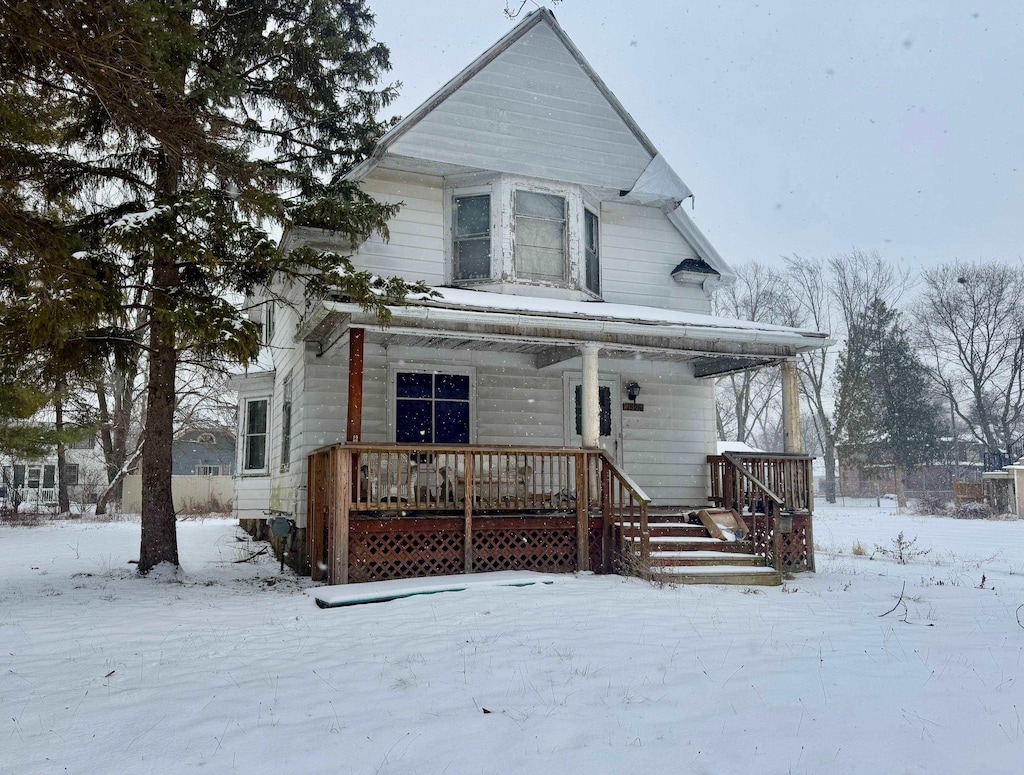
(668, 529)
(694, 558)
(719, 574)
(705, 543)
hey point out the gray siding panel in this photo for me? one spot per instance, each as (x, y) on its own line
(639, 250)
(532, 111)
(416, 247)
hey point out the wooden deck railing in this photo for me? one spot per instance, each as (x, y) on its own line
(624, 506)
(767, 489)
(382, 481)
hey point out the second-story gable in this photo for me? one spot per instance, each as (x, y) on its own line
(525, 175)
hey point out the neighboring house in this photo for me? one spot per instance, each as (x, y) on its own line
(204, 452)
(35, 482)
(562, 385)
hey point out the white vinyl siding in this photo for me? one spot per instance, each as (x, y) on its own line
(532, 111)
(416, 248)
(639, 250)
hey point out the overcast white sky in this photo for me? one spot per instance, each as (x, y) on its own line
(802, 127)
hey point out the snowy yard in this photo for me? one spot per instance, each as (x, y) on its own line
(234, 669)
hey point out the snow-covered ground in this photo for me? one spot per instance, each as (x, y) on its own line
(234, 669)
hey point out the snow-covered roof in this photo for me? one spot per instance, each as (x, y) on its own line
(466, 299)
(736, 446)
(560, 322)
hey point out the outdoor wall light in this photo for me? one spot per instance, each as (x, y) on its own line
(632, 390)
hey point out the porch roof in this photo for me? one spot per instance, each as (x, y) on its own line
(718, 345)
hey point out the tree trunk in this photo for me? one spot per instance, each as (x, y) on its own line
(159, 533)
(901, 493)
(159, 536)
(830, 468)
(106, 441)
(63, 501)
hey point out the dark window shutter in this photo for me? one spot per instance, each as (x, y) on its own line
(579, 410)
(49, 476)
(604, 396)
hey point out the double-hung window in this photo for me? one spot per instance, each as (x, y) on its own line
(70, 474)
(431, 408)
(88, 442)
(254, 447)
(540, 236)
(472, 237)
(592, 249)
(269, 322)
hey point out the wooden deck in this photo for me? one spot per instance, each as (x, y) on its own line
(379, 512)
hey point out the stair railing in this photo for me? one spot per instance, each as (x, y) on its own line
(624, 509)
(742, 488)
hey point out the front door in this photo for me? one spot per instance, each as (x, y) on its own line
(611, 417)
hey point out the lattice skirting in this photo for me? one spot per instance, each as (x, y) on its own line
(411, 548)
(795, 550)
(549, 549)
(403, 551)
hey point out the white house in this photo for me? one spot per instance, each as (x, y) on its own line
(34, 483)
(565, 376)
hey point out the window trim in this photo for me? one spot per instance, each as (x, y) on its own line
(473, 186)
(428, 368)
(585, 286)
(244, 437)
(502, 188)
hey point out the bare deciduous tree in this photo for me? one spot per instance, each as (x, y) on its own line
(747, 401)
(830, 296)
(970, 324)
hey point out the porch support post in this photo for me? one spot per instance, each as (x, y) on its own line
(590, 409)
(792, 439)
(340, 517)
(354, 430)
(584, 462)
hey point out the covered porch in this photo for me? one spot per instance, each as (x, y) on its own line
(517, 477)
(381, 512)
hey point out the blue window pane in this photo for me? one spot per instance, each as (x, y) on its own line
(414, 385)
(451, 422)
(452, 386)
(412, 423)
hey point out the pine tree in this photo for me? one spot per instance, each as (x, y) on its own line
(148, 151)
(884, 401)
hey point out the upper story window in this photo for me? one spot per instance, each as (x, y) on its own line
(513, 231)
(540, 249)
(592, 251)
(472, 237)
(269, 322)
(87, 442)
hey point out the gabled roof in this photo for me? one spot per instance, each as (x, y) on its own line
(532, 20)
(637, 171)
